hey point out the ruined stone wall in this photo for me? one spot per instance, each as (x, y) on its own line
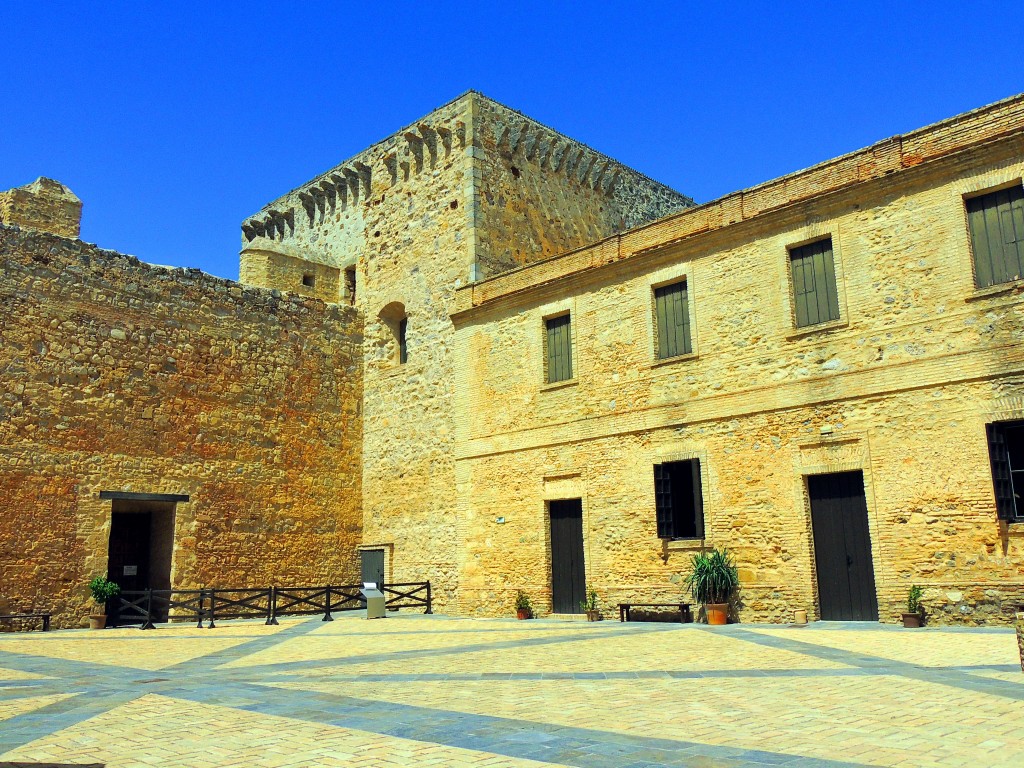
(539, 193)
(117, 375)
(907, 378)
(45, 204)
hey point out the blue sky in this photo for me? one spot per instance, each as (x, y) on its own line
(173, 123)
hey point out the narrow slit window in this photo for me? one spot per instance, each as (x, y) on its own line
(672, 320)
(309, 280)
(996, 221)
(350, 285)
(558, 343)
(815, 295)
(679, 500)
(403, 349)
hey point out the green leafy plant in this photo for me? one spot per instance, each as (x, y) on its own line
(914, 600)
(103, 589)
(523, 601)
(590, 604)
(713, 577)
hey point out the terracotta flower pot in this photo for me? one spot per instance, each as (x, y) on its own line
(911, 620)
(717, 613)
(594, 616)
(522, 613)
(97, 620)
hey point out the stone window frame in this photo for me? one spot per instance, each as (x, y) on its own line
(559, 309)
(660, 279)
(855, 457)
(391, 318)
(978, 186)
(701, 455)
(812, 234)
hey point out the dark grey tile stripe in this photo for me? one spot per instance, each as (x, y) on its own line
(513, 738)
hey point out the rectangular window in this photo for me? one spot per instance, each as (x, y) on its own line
(815, 296)
(678, 500)
(672, 320)
(350, 285)
(403, 349)
(996, 222)
(558, 342)
(309, 280)
(1006, 452)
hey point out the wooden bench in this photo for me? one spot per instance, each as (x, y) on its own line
(683, 608)
(44, 616)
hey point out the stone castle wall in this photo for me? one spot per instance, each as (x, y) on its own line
(117, 375)
(45, 204)
(415, 217)
(904, 383)
(539, 193)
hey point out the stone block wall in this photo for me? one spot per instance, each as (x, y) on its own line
(539, 193)
(118, 375)
(45, 204)
(903, 385)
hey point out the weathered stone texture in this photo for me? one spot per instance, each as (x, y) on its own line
(417, 215)
(45, 204)
(918, 363)
(117, 375)
(539, 193)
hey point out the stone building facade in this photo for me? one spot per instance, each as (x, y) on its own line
(479, 334)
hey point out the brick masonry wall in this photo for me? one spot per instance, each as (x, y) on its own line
(906, 379)
(117, 375)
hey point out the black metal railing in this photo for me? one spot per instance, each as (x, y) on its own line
(152, 606)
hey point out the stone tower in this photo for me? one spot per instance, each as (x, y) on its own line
(471, 190)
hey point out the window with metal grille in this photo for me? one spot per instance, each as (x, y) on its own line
(996, 221)
(403, 349)
(815, 296)
(1006, 452)
(672, 320)
(558, 348)
(678, 500)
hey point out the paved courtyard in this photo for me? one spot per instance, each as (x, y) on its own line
(430, 690)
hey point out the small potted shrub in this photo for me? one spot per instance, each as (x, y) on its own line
(914, 617)
(523, 608)
(589, 605)
(713, 579)
(102, 589)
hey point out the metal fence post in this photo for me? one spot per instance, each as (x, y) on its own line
(213, 600)
(148, 623)
(327, 614)
(429, 607)
(272, 619)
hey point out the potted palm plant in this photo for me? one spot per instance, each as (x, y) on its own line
(713, 579)
(102, 589)
(589, 605)
(523, 608)
(914, 617)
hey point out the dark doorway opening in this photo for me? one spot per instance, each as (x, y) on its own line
(568, 572)
(371, 566)
(141, 545)
(842, 547)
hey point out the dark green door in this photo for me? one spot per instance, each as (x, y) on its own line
(842, 547)
(568, 574)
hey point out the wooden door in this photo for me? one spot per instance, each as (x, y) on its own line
(568, 574)
(842, 547)
(128, 555)
(372, 566)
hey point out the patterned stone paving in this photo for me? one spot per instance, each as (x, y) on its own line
(431, 690)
